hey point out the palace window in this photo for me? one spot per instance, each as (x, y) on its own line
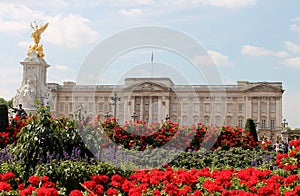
(229, 121)
(218, 121)
(71, 106)
(196, 107)
(263, 107)
(263, 123)
(240, 108)
(229, 107)
(218, 107)
(272, 124)
(185, 107)
(101, 106)
(62, 106)
(91, 106)
(195, 120)
(184, 120)
(272, 107)
(206, 120)
(207, 107)
(254, 107)
(121, 107)
(174, 108)
(240, 123)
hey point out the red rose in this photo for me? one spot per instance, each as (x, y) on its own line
(35, 180)
(76, 193)
(8, 175)
(112, 192)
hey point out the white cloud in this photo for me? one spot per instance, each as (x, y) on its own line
(255, 51)
(220, 59)
(295, 28)
(62, 67)
(131, 12)
(292, 62)
(71, 31)
(130, 3)
(232, 4)
(15, 18)
(53, 3)
(213, 58)
(227, 3)
(292, 47)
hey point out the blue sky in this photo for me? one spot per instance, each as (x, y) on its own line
(251, 40)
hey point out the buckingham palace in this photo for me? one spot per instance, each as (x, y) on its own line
(155, 99)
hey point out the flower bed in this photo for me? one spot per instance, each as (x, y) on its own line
(49, 158)
(170, 181)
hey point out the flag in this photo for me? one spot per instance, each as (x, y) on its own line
(152, 57)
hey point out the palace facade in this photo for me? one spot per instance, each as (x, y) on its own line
(155, 99)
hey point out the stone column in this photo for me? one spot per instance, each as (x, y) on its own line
(132, 105)
(150, 109)
(167, 110)
(258, 112)
(159, 113)
(248, 107)
(268, 113)
(278, 109)
(142, 108)
(125, 109)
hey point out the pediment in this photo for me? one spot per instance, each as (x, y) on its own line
(148, 86)
(264, 87)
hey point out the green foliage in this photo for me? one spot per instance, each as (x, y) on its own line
(44, 136)
(3, 101)
(236, 157)
(250, 127)
(68, 174)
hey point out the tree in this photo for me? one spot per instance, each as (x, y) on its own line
(3, 101)
(250, 127)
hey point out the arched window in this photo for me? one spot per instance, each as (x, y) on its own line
(206, 120)
(229, 121)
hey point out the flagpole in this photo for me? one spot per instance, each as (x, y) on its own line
(152, 65)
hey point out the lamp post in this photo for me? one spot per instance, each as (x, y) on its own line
(107, 115)
(115, 99)
(284, 134)
(256, 128)
(134, 116)
(284, 124)
(167, 117)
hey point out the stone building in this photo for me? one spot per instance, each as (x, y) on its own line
(154, 99)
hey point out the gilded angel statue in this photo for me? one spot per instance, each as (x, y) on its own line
(36, 35)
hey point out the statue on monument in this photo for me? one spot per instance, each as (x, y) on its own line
(27, 94)
(36, 35)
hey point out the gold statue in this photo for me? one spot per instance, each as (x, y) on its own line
(36, 35)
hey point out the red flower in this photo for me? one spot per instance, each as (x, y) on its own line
(76, 193)
(47, 192)
(292, 154)
(4, 186)
(212, 186)
(112, 192)
(8, 175)
(100, 179)
(45, 178)
(89, 184)
(156, 193)
(35, 180)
